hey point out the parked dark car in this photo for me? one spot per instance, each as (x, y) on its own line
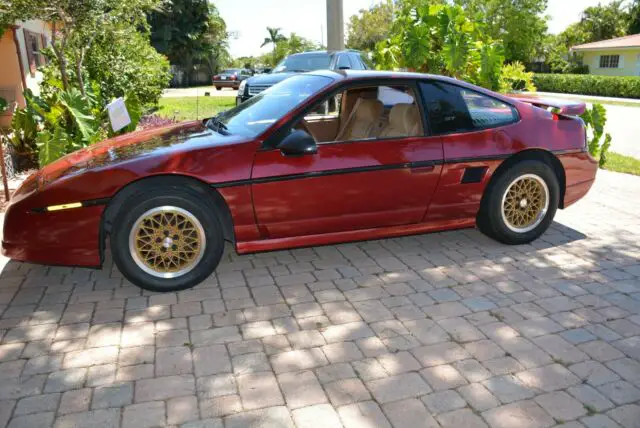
(300, 63)
(230, 78)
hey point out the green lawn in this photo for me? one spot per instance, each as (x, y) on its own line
(621, 163)
(189, 108)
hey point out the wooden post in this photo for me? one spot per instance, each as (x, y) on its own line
(3, 169)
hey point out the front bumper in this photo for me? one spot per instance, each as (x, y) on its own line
(67, 237)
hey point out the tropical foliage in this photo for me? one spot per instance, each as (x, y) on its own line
(99, 50)
(598, 142)
(190, 33)
(274, 38)
(520, 24)
(443, 39)
(370, 26)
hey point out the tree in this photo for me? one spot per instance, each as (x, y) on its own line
(634, 18)
(440, 39)
(122, 62)
(605, 22)
(370, 26)
(274, 38)
(520, 24)
(75, 25)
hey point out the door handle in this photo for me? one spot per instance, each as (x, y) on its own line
(422, 169)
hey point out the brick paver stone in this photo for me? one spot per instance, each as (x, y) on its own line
(409, 413)
(144, 415)
(461, 418)
(259, 390)
(301, 389)
(366, 413)
(272, 417)
(318, 416)
(398, 387)
(523, 414)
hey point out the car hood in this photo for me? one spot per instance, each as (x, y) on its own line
(161, 141)
(269, 79)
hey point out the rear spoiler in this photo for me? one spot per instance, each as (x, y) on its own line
(564, 107)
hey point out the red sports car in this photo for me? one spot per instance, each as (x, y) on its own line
(321, 158)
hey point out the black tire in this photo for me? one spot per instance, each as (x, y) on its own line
(218, 88)
(491, 220)
(135, 207)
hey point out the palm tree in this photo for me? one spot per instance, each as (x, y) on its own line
(274, 37)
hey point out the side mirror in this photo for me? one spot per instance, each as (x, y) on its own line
(298, 143)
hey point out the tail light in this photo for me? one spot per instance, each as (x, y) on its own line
(216, 77)
(234, 77)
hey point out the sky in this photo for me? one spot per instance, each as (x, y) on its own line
(248, 19)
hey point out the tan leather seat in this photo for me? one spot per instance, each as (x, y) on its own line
(362, 121)
(404, 121)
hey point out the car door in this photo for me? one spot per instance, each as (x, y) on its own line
(347, 185)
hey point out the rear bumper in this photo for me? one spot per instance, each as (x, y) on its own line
(227, 83)
(580, 173)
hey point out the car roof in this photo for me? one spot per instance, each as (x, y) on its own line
(324, 52)
(376, 74)
(364, 75)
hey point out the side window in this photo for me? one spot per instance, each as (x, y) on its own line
(357, 62)
(343, 62)
(328, 107)
(454, 109)
(447, 110)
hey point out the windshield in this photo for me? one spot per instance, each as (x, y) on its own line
(254, 116)
(302, 63)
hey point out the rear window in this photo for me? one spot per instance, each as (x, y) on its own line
(230, 71)
(487, 112)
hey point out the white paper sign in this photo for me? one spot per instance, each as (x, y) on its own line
(118, 114)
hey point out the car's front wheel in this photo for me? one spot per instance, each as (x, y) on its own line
(166, 240)
(520, 203)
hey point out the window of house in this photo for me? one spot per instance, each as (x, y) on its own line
(33, 44)
(453, 109)
(609, 61)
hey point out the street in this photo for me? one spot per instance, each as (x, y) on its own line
(623, 123)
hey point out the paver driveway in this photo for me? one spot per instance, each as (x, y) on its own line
(447, 329)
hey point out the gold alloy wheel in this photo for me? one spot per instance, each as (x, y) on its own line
(525, 203)
(167, 242)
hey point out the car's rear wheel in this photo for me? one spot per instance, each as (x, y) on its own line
(520, 203)
(166, 241)
(218, 88)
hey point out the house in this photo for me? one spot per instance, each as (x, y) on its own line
(20, 56)
(615, 57)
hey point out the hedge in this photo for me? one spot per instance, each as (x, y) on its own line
(589, 84)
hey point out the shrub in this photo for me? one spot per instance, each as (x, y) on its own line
(588, 84)
(595, 120)
(514, 77)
